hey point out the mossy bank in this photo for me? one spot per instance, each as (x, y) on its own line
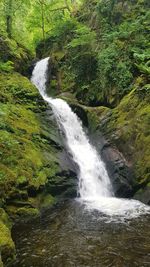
(31, 176)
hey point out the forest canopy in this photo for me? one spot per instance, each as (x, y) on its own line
(31, 20)
(101, 46)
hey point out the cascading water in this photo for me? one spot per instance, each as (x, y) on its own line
(93, 178)
(95, 188)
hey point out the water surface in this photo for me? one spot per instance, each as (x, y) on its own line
(71, 236)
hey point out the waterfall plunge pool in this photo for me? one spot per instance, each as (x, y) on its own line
(72, 236)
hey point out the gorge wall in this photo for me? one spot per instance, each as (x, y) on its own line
(34, 167)
(101, 68)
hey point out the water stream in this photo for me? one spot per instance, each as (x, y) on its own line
(96, 229)
(94, 186)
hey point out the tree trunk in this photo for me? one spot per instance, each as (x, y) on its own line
(58, 77)
(43, 22)
(9, 18)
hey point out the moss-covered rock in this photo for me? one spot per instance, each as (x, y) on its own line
(14, 52)
(7, 247)
(30, 144)
(17, 89)
(31, 176)
(122, 137)
(131, 122)
(4, 218)
(126, 128)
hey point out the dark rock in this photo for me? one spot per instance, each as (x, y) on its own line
(143, 194)
(77, 108)
(119, 170)
(31, 67)
(66, 164)
(33, 190)
(65, 184)
(16, 194)
(81, 113)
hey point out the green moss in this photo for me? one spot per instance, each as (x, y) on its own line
(26, 212)
(28, 146)
(40, 180)
(94, 115)
(43, 200)
(18, 127)
(4, 218)
(48, 201)
(10, 50)
(128, 127)
(7, 247)
(21, 181)
(17, 88)
(6, 66)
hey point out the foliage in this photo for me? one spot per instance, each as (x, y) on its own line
(37, 17)
(13, 55)
(105, 51)
(6, 66)
(82, 57)
(114, 73)
(97, 47)
(82, 36)
(13, 14)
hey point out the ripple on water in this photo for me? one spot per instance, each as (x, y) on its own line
(73, 236)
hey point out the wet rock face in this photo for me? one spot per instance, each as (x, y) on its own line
(119, 170)
(63, 185)
(80, 113)
(126, 151)
(64, 180)
(143, 194)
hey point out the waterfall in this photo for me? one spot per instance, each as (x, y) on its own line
(94, 186)
(93, 178)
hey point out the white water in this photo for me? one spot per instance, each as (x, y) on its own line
(94, 188)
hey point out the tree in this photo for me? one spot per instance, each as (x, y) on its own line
(44, 14)
(10, 10)
(42, 4)
(9, 17)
